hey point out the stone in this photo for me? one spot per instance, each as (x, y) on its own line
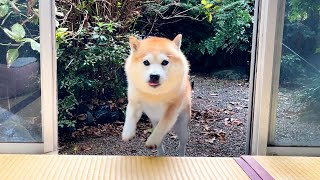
(11, 129)
(21, 77)
(104, 115)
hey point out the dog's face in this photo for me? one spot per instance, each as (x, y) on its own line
(156, 65)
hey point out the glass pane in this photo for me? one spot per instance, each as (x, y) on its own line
(298, 115)
(20, 118)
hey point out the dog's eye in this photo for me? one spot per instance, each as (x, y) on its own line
(164, 63)
(146, 63)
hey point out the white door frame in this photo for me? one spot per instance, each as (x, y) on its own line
(262, 76)
(48, 69)
(264, 81)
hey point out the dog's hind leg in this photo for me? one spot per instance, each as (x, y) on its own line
(160, 149)
(181, 128)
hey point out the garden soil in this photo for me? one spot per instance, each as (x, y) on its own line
(218, 126)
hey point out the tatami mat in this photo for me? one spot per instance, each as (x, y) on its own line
(116, 167)
(291, 167)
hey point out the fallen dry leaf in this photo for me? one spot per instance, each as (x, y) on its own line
(228, 112)
(173, 135)
(206, 127)
(86, 148)
(210, 140)
(205, 133)
(227, 121)
(75, 149)
(118, 122)
(121, 100)
(147, 131)
(236, 122)
(232, 121)
(221, 136)
(82, 117)
(234, 103)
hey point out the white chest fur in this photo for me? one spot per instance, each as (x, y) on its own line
(154, 111)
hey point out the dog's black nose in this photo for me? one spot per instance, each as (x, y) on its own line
(154, 77)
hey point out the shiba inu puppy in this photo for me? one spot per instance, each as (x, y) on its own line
(158, 85)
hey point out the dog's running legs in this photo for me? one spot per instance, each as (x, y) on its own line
(133, 114)
(181, 128)
(162, 128)
(160, 149)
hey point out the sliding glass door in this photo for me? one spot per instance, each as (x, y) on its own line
(27, 77)
(286, 80)
(297, 121)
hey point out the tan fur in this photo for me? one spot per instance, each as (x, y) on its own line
(174, 93)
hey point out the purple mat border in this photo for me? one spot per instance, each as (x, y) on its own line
(262, 173)
(247, 169)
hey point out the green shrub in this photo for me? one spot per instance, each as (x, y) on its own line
(209, 27)
(230, 28)
(94, 70)
(92, 47)
(292, 70)
(301, 30)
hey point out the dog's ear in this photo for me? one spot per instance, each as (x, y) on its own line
(134, 43)
(177, 40)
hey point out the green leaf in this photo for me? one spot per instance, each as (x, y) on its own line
(317, 51)
(17, 32)
(57, 23)
(61, 30)
(34, 44)
(210, 17)
(12, 55)
(8, 33)
(95, 36)
(60, 33)
(60, 14)
(4, 9)
(4, 1)
(204, 2)
(208, 6)
(119, 4)
(57, 12)
(100, 24)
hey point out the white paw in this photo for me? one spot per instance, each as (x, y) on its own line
(152, 143)
(127, 136)
(128, 133)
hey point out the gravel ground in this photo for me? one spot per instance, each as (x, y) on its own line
(294, 126)
(218, 126)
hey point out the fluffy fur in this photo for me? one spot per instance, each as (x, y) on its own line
(165, 98)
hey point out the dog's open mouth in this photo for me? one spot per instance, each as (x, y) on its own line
(154, 84)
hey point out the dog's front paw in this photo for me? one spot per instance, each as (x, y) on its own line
(127, 136)
(152, 143)
(151, 146)
(128, 133)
